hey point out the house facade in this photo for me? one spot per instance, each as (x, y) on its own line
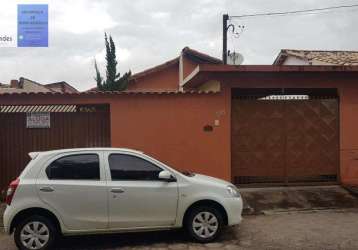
(249, 124)
(24, 85)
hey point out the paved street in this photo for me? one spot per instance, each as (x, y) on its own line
(303, 230)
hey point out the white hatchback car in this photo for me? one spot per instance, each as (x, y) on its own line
(105, 190)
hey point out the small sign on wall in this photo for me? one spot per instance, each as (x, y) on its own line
(38, 120)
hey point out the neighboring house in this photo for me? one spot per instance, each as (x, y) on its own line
(61, 87)
(316, 57)
(24, 85)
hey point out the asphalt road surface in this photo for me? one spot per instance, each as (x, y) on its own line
(329, 229)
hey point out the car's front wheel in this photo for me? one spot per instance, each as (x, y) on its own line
(204, 223)
(35, 233)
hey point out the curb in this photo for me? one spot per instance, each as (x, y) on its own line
(353, 190)
(311, 210)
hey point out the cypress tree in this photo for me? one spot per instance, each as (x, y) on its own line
(113, 81)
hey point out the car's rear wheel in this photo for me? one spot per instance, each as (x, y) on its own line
(35, 233)
(204, 223)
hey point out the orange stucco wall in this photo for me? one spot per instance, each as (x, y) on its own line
(170, 126)
(166, 126)
(167, 79)
(164, 79)
(188, 66)
(349, 134)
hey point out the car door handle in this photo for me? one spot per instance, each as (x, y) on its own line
(47, 189)
(117, 190)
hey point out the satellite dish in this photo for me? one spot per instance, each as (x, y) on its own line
(234, 58)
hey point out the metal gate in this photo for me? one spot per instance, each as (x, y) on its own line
(285, 139)
(69, 126)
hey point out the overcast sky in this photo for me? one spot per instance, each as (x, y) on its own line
(149, 32)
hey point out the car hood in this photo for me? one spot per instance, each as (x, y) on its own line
(209, 180)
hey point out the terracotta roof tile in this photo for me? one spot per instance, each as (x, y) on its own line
(331, 57)
(203, 58)
(61, 87)
(87, 93)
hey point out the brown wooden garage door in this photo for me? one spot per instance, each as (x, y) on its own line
(285, 141)
(71, 126)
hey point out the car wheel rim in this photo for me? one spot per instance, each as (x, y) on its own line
(205, 224)
(34, 235)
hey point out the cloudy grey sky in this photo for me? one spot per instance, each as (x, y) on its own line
(149, 32)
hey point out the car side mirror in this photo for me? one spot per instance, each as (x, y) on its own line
(166, 176)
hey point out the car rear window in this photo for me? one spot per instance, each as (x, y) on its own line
(75, 167)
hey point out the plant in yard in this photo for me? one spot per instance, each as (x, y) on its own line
(114, 80)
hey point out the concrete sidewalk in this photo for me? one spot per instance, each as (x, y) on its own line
(278, 199)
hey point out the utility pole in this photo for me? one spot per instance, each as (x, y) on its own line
(225, 19)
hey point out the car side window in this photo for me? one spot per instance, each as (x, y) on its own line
(75, 167)
(128, 167)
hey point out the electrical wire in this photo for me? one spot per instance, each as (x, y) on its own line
(308, 11)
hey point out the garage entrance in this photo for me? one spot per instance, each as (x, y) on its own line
(285, 136)
(28, 128)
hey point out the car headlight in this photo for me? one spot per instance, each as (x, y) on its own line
(233, 191)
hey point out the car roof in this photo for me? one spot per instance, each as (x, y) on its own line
(60, 151)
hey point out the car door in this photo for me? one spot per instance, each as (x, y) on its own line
(137, 197)
(74, 186)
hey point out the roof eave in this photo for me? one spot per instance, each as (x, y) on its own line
(205, 71)
(200, 57)
(281, 57)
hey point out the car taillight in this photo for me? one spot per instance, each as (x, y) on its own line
(11, 190)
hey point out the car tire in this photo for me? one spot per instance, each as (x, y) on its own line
(35, 232)
(204, 223)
